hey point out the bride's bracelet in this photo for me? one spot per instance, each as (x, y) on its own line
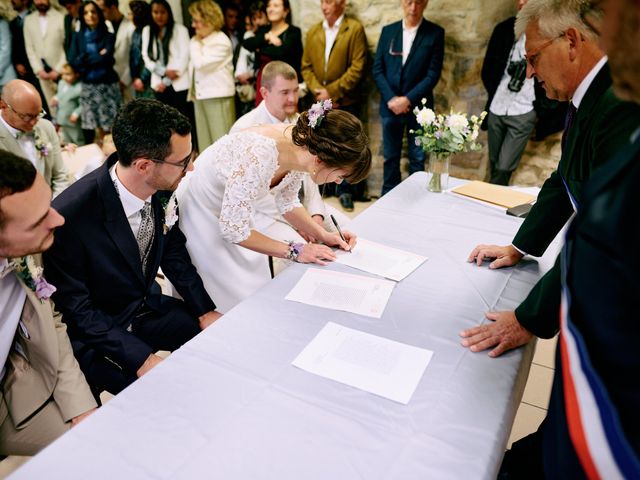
(295, 250)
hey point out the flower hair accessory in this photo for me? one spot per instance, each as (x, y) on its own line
(318, 111)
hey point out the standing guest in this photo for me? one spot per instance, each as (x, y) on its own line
(407, 68)
(231, 26)
(245, 71)
(68, 108)
(165, 51)
(277, 41)
(140, 76)
(218, 199)
(44, 43)
(511, 117)
(91, 55)
(43, 390)
(122, 28)
(279, 105)
(71, 21)
(565, 55)
(7, 72)
(24, 132)
(211, 65)
(115, 312)
(333, 66)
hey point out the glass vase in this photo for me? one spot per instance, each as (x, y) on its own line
(438, 172)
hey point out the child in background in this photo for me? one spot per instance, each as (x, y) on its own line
(68, 102)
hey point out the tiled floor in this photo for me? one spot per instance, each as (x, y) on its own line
(531, 412)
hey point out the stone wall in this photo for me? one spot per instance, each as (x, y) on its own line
(468, 25)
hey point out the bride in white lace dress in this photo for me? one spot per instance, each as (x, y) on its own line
(216, 199)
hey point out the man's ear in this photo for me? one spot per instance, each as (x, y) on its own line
(142, 165)
(264, 92)
(576, 41)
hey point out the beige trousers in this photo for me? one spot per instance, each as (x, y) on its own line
(214, 118)
(43, 428)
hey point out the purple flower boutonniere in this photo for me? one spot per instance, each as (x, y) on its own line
(170, 213)
(32, 276)
(42, 147)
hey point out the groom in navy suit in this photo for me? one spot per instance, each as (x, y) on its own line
(121, 226)
(406, 69)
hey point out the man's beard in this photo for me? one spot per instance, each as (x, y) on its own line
(42, 8)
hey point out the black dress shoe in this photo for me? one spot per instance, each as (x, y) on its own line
(347, 202)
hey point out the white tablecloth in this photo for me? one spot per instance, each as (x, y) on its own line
(229, 405)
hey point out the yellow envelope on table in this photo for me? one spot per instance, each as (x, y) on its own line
(494, 194)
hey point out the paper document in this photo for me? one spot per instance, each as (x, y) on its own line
(342, 291)
(493, 194)
(373, 364)
(381, 260)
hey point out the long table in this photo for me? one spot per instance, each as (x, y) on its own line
(229, 404)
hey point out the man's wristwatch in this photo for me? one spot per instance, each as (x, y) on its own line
(295, 249)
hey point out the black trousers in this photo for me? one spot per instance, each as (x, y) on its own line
(168, 330)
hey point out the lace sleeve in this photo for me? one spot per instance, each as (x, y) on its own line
(248, 170)
(287, 196)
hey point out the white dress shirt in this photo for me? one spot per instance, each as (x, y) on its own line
(330, 34)
(44, 23)
(130, 203)
(506, 102)
(27, 142)
(408, 36)
(12, 298)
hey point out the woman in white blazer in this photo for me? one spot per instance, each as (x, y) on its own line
(212, 86)
(165, 52)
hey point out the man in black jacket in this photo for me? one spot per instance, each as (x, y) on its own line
(119, 230)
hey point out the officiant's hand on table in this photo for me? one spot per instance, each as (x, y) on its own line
(505, 256)
(208, 318)
(505, 333)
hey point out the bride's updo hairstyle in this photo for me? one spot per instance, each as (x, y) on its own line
(338, 140)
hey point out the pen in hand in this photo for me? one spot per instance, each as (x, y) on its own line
(335, 222)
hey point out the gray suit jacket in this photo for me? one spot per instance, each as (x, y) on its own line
(52, 166)
(47, 370)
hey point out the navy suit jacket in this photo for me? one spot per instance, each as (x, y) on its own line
(603, 282)
(419, 75)
(95, 265)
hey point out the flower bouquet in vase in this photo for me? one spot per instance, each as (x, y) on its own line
(443, 135)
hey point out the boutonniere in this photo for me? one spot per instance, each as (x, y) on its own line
(170, 212)
(32, 276)
(41, 146)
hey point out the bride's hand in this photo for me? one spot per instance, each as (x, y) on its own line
(333, 240)
(315, 253)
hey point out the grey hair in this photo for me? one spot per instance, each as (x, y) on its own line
(554, 17)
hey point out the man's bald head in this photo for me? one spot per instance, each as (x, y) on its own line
(21, 105)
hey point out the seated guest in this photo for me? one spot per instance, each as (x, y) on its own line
(43, 390)
(24, 132)
(232, 176)
(119, 230)
(280, 100)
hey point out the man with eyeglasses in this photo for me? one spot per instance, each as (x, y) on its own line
(24, 132)
(121, 226)
(563, 52)
(406, 69)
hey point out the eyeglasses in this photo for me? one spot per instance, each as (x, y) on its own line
(27, 117)
(591, 14)
(532, 57)
(183, 164)
(392, 52)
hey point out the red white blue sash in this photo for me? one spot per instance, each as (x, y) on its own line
(592, 420)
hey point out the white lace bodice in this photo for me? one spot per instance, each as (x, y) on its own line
(245, 164)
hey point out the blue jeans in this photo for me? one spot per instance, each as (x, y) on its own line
(393, 129)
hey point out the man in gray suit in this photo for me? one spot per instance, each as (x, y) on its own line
(43, 392)
(24, 132)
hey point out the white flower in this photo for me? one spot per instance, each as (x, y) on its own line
(457, 121)
(474, 134)
(170, 213)
(425, 116)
